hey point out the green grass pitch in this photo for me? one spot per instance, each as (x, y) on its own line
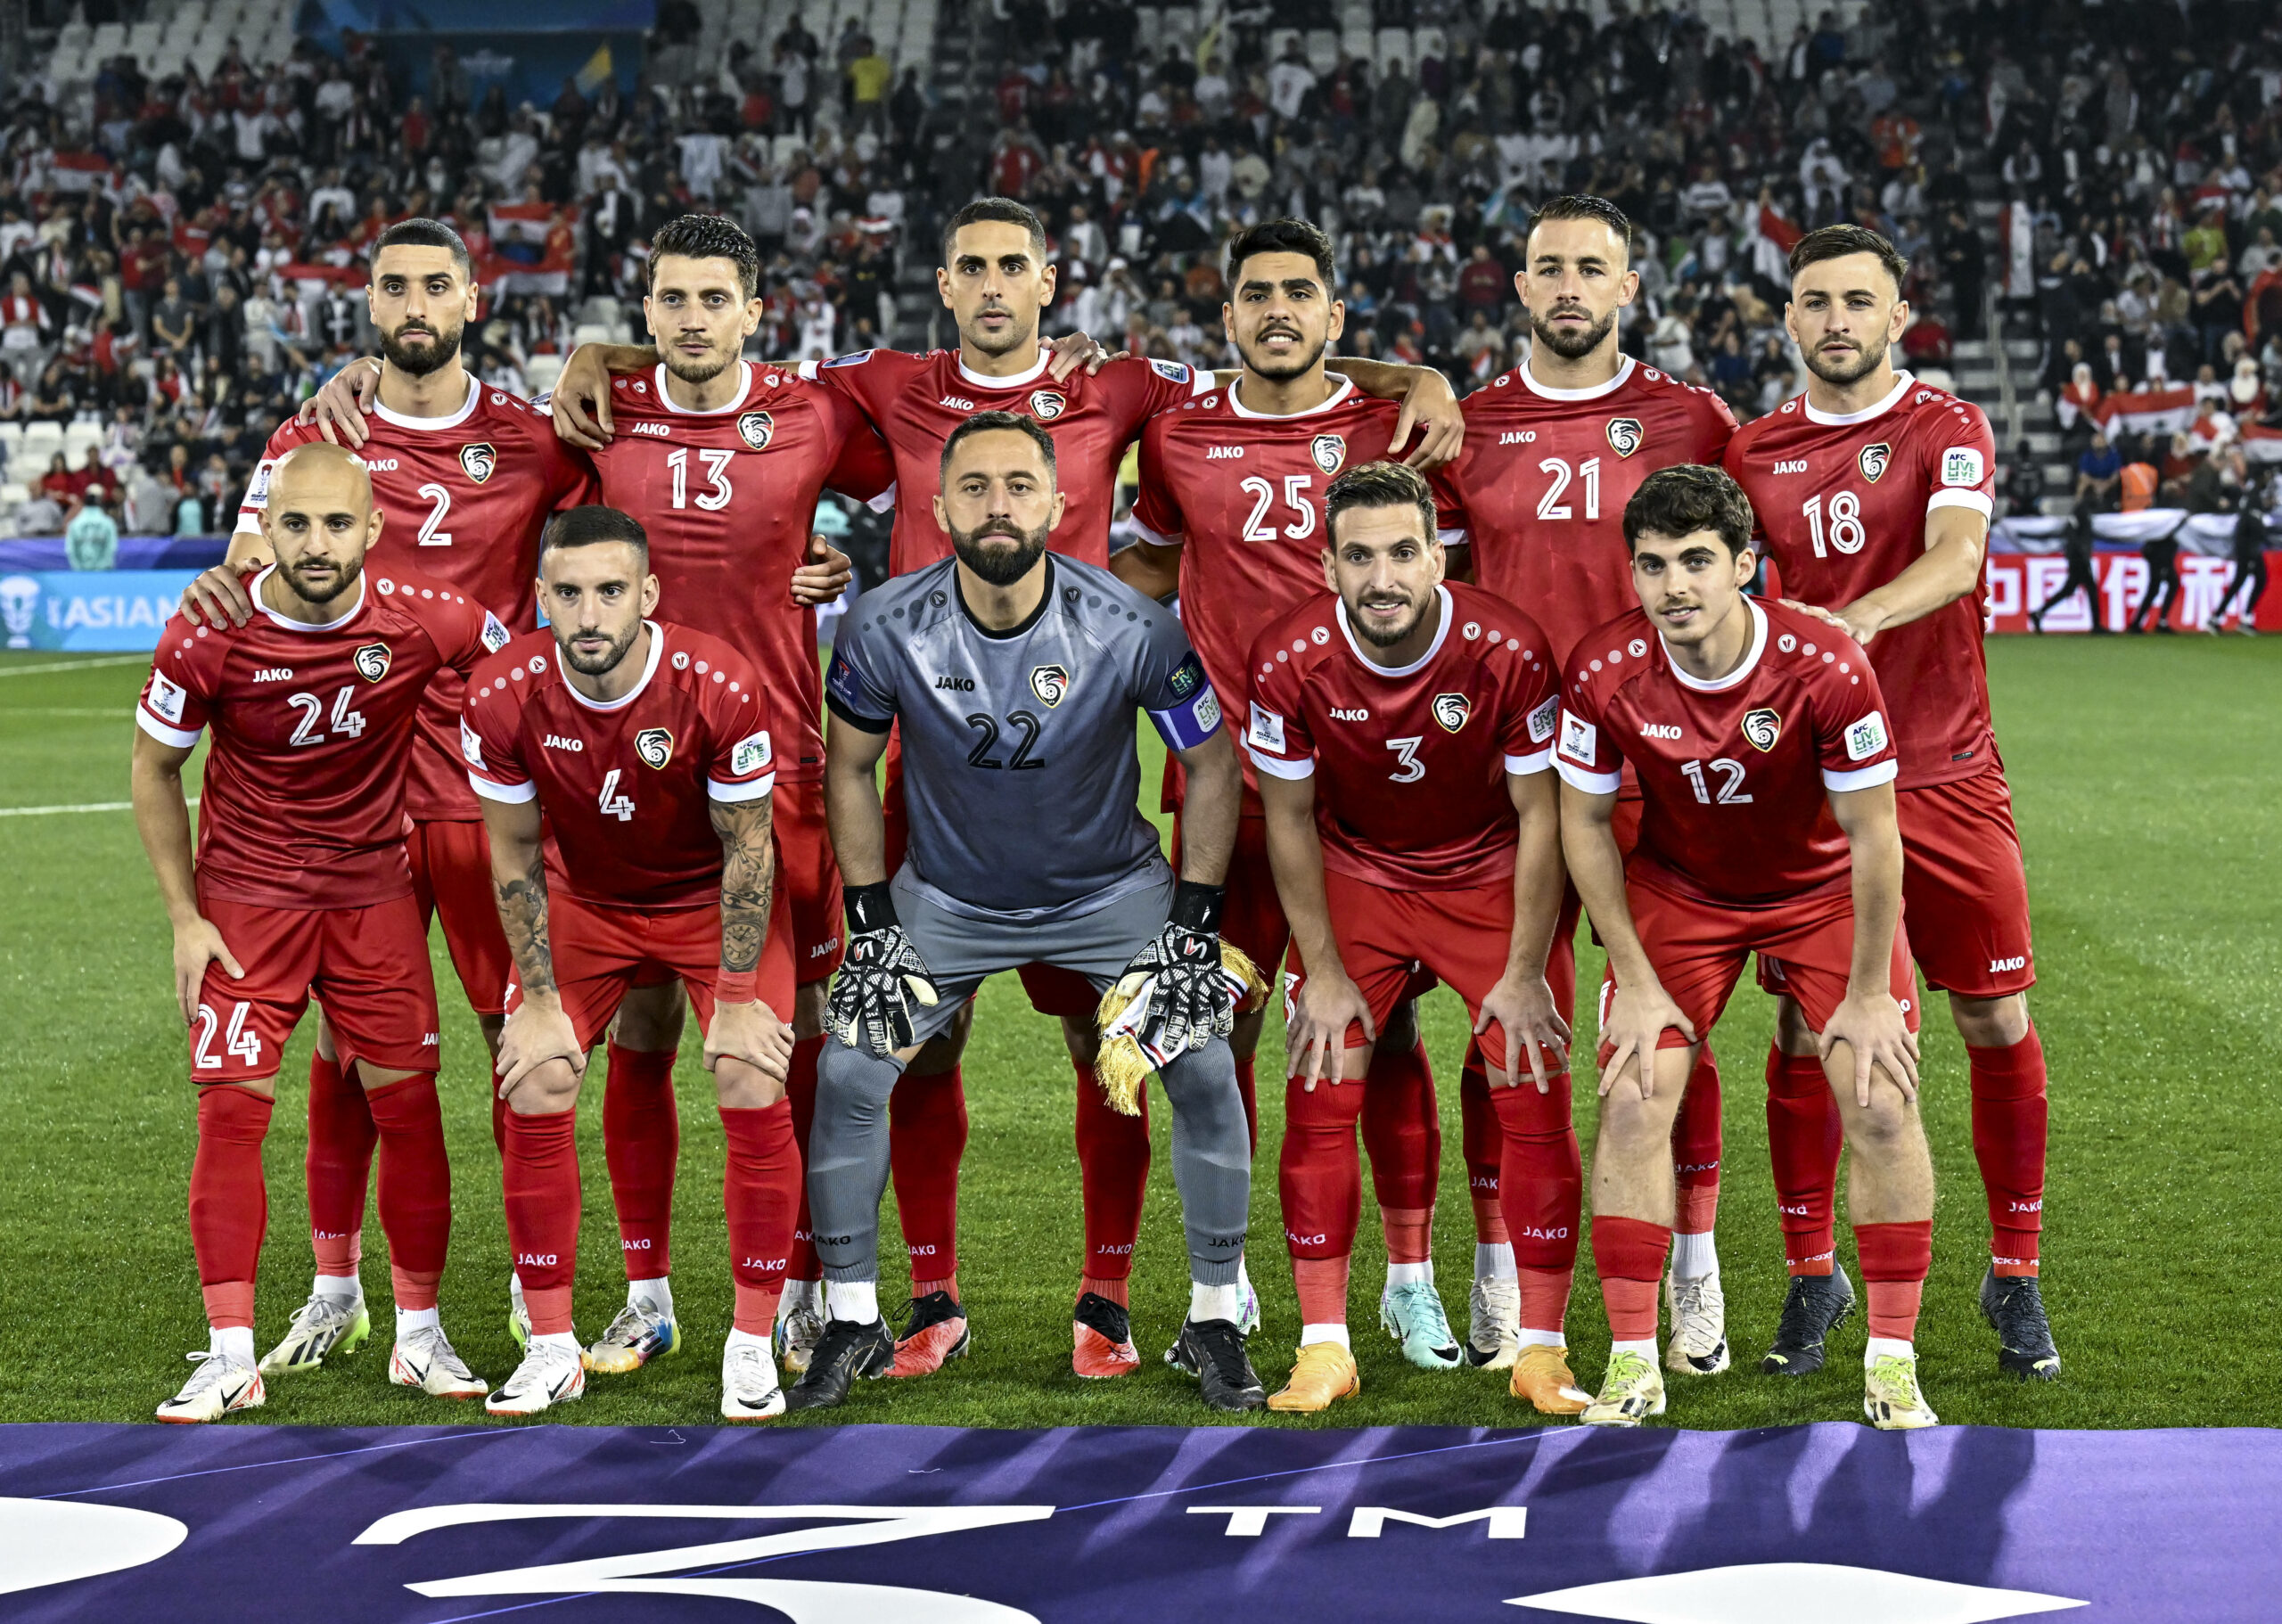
(2146, 783)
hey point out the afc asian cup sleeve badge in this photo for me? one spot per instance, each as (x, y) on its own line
(495, 637)
(1761, 728)
(470, 745)
(479, 460)
(1329, 451)
(1451, 710)
(757, 429)
(1625, 435)
(167, 698)
(372, 661)
(1050, 684)
(654, 746)
(1046, 405)
(1874, 460)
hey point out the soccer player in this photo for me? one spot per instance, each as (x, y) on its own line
(1554, 450)
(1874, 493)
(1014, 678)
(300, 884)
(996, 280)
(646, 749)
(1766, 768)
(1232, 516)
(467, 475)
(1402, 731)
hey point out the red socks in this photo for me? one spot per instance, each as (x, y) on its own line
(339, 1165)
(642, 1143)
(1322, 1286)
(229, 1203)
(1319, 1176)
(1114, 1173)
(1402, 1132)
(1541, 1185)
(761, 1189)
(1895, 1258)
(926, 1137)
(801, 1093)
(2010, 1109)
(1804, 1136)
(415, 1186)
(1481, 1141)
(1696, 1147)
(1629, 1254)
(541, 1179)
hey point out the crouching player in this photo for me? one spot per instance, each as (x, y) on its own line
(301, 884)
(1766, 768)
(646, 748)
(1402, 731)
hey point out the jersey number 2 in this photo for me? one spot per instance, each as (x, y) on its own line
(1731, 782)
(987, 727)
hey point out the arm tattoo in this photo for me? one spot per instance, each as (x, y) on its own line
(522, 910)
(748, 879)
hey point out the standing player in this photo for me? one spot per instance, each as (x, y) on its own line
(467, 475)
(1232, 516)
(996, 280)
(645, 747)
(1402, 731)
(1000, 663)
(1875, 492)
(1767, 827)
(1554, 450)
(300, 884)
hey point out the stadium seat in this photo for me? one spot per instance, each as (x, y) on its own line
(110, 39)
(1393, 55)
(13, 494)
(1279, 41)
(540, 372)
(1323, 52)
(1429, 42)
(591, 332)
(1182, 25)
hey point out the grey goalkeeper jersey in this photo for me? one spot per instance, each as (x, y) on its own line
(1019, 779)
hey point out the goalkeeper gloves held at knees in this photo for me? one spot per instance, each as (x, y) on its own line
(880, 977)
(1187, 1000)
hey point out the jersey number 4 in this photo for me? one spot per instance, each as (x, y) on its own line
(611, 803)
(238, 1041)
(346, 721)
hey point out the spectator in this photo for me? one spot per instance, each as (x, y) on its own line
(2099, 473)
(172, 324)
(91, 536)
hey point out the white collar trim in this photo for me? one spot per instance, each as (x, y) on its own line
(291, 625)
(744, 389)
(433, 424)
(1751, 657)
(1392, 673)
(1623, 375)
(969, 375)
(1834, 419)
(1345, 390)
(657, 653)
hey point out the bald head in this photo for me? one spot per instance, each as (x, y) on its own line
(319, 520)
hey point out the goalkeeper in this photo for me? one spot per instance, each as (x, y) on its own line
(1013, 676)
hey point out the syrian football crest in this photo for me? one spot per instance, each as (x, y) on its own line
(1874, 460)
(1451, 710)
(1625, 435)
(1046, 405)
(372, 661)
(757, 429)
(1050, 683)
(654, 746)
(479, 460)
(1329, 451)
(1761, 728)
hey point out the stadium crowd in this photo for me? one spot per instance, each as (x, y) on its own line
(180, 259)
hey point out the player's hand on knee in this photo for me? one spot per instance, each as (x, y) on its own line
(880, 979)
(537, 1031)
(218, 596)
(1314, 1041)
(824, 575)
(1873, 1027)
(197, 945)
(1534, 1029)
(750, 1032)
(1638, 1019)
(338, 408)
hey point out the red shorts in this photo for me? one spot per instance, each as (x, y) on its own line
(1805, 947)
(451, 878)
(1964, 891)
(1387, 937)
(369, 965)
(601, 952)
(809, 877)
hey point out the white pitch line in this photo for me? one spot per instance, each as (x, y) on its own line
(75, 665)
(85, 806)
(12, 710)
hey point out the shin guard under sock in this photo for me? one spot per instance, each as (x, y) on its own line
(415, 1186)
(541, 1181)
(642, 1145)
(1804, 1136)
(1113, 1178)
(229, 1202)
(338, 1166)
(926, 1137)
(760, 1189)
(2010, 1106)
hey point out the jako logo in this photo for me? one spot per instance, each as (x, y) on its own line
(957, 404)
(1659, 730)
(1997, 965)
(381, 464)
(1337, 715)
(1791, 467)
(536, 1259)
(956, 685)
(1306, 1240)
(641, 1245)
(652, 427)
(1221, 454)
(1517, 436)
(1530, 1232)
(274, 674)
(557, 741)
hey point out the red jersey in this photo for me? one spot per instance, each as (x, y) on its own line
(1410, 762)
(917, 400)
(1242, 494)
(466, 497)
(1842, 501)
(1734, 776)
(728, 498)
(625, 787)
(1544, 475)
(302, 804)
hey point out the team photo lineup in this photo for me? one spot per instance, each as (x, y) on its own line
(1439, 684)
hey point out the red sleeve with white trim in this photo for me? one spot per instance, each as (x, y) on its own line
(491, 734)
(1585, 752)
(741, 758)
(1853, 741)
(1277, 735)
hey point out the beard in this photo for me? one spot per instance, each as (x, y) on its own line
(431, 357)
(1387, 636)
(999, 566)
(1296, 364)
(1573, 346)
(322, 588)
(606, 662)
(1014, 338)
(1837, 368)
(691, 371)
